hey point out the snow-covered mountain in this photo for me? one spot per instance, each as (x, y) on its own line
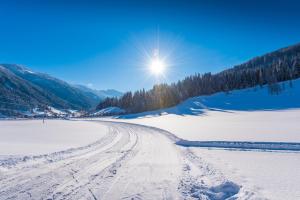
(23, 90)
(250, 99)
(101, 94)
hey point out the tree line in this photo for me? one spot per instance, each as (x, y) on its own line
(270, 69)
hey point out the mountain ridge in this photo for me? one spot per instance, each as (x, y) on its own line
(23, 90)
(102, 94)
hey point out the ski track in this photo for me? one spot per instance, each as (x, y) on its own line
(130, 162)
(242, 145)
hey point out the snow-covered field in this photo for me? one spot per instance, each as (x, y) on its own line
(33, 137)
(201, 149)
(256, 126)
(261, 171)
(129, 162)
(249, 134)
(274, 175)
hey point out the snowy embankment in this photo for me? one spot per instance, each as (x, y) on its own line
(242, 145)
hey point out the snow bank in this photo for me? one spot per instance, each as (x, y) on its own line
(283, 146)
(33, 137)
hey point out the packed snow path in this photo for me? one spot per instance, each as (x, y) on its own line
(130, 162)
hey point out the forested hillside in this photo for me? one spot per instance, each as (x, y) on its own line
(272, 68)
(23, 90)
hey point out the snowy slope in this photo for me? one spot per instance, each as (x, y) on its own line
(41, 89)
(99, 94)
(251, 99)
(108, 111)
(243, 115)
(22, 90)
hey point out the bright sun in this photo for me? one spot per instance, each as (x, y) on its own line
(157, 66)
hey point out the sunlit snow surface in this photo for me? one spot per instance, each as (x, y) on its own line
(262, 126)
(242, 115)
(33, 137)
(250, 115)
(274, 175)
(68, 159)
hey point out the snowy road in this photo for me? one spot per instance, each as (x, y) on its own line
(129, 162)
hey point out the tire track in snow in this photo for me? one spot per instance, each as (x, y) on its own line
(64, 158)
(152, 173)
(46, 178)
(125, 144)
(130, 162)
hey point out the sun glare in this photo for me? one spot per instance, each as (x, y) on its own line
(157, 66)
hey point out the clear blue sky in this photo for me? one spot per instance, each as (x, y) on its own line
(101, 44)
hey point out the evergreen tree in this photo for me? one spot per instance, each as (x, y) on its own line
(269, 69)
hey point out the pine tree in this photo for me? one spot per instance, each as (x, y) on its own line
(270, 69)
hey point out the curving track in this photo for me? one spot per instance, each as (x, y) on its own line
(130, 162)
